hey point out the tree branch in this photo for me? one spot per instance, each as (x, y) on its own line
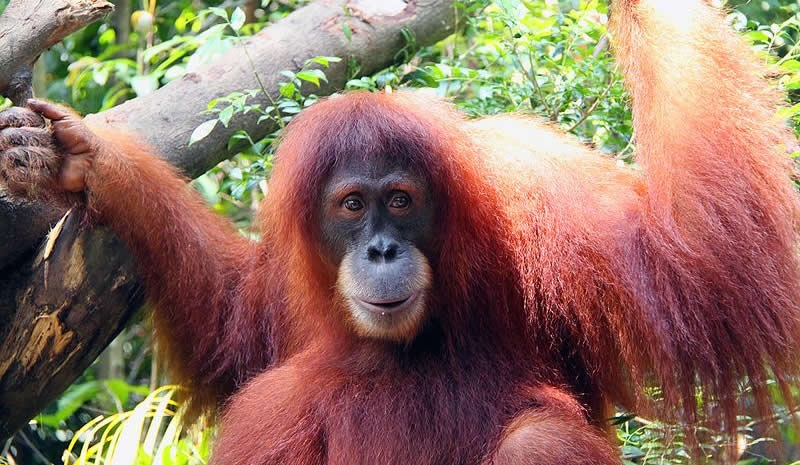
(314, 30)
(57, 313)
(29, 27)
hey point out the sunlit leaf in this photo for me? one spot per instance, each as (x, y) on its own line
(202, 131)
(348, 34)
(226, 115)
(237, 19)
(144, 85)
(312, 75)
(786, 113)
(100, 76)
(325, 61)
(287, 90)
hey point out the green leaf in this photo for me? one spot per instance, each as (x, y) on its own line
(291, 110)
(791, 65)
(144, 85)
(100, 76)
(791, 82)
(312, 75)
(325, 61)
(757, 36)
(226, 115)
(365, 82)
(174, 72)
(237, 191)
(219, 12)
(509, 7)
(202, 131)
(69, 402)
(786, 113)
(123, 390)
(237, 19)
(348, 34)
(632, 452)
(107, 38)
(237, 137)
(287, 90)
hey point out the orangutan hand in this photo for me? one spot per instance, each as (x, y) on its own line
(36, 159)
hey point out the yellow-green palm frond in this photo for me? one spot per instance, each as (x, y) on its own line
(150, 434)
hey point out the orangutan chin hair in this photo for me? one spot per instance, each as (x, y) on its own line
(396, 327)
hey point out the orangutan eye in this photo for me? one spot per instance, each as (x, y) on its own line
(353, 203)
(399, 201)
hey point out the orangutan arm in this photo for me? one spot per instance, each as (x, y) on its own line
(194, 263)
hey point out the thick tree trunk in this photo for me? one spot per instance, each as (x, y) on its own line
(57, 314)
(250, 7)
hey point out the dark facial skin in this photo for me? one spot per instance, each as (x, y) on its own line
(376, 226)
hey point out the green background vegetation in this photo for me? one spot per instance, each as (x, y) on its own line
(541, 57)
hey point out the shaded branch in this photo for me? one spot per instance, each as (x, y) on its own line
(57, 313)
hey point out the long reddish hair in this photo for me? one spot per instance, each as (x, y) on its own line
(472, 269)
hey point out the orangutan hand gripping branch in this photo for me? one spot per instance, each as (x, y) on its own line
(435, 290)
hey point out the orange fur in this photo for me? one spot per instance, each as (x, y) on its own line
(561, 281)
(215, 329)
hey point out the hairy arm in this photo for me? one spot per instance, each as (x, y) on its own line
(273, 421)
(554, 432)
(713, 263)
(684, 273)
(193, 261)
(548, 437)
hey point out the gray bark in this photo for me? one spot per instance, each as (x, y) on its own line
(56, 315)
(28, 27)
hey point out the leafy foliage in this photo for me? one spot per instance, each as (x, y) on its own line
(150, 433)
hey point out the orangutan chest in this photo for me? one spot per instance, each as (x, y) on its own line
(431, 423)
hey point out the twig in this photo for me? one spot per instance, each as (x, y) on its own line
(621, 154)
(137, 364)
(593, 106)
(602, 46)
(33, 447)
(532, 77)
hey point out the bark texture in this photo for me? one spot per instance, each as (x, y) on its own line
(29, 27)
(58, 311)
